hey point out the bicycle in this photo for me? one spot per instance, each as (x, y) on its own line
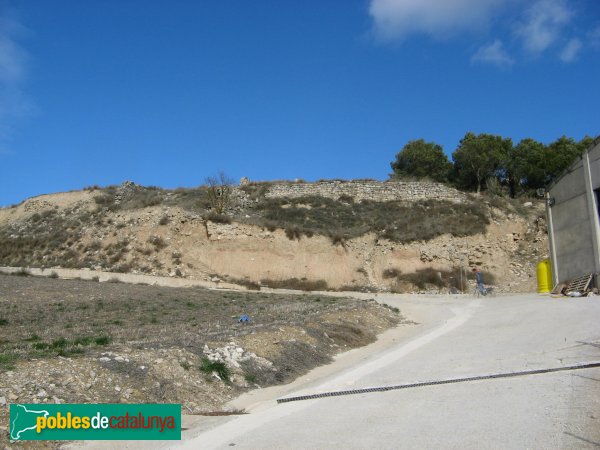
(481, 289)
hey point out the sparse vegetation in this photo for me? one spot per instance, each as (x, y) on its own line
(158, 242)
(432, 278)
(71, 324)
(391, 273)
(300, 284)
(218, 367)
(217, 217)
(392, 220)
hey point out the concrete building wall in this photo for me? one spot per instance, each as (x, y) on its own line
(594, 156)
(575, 233)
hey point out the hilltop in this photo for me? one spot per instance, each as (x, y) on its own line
(342, 235)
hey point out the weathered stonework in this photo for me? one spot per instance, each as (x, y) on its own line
(367, 190)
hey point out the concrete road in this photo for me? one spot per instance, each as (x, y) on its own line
(456, 337)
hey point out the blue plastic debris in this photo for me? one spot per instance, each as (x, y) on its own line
(244, 319)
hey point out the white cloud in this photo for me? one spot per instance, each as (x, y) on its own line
(14, 104)
(571, 50)
(594, 36)
(493, 53)
(543, 24)
(394, 19)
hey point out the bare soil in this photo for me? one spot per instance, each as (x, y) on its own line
(76, 341)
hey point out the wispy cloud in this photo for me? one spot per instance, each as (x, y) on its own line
(543, 24)
(14, 104)
(570, 52)
(594, 36)
(493, 53)
(394, 19)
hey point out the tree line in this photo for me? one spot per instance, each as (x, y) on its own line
(486, 161)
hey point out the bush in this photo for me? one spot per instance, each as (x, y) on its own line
(158, 242)
(217, 218)
(338, 239)
(391, 273)
(293, 232)
(439, 278)
(22, 272)
(248, 284)
(297, 284)
(220, 368)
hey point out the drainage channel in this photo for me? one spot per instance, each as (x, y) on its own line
(438, 382)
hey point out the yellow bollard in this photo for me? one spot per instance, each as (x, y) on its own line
(544, 276)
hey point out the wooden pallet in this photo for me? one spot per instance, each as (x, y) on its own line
(580, 284)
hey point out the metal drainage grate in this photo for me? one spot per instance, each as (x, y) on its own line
(437, 382)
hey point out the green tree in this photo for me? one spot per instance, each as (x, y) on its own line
(530, 159)
(422, 159)
(479, 157)
(562, 153)
(538, 165)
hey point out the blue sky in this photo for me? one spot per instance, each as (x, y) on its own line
(167, 93)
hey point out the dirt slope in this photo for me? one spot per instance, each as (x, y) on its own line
(74, 230)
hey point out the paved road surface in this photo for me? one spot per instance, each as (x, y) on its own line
(456, 337)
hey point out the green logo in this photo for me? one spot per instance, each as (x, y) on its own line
(95, 422)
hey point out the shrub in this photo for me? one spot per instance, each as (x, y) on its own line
(164, 220)
(422, 277)
(297, 284)
(391, 273)
(7, 362)
(220, 368)
(293, 232)
(102, 340)
(104, 200)
(217, 217)
(338, 239)
(218, 192)
(158, 242)
(53, 274)
(22, 272)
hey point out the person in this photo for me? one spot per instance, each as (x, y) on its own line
(479, 280)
